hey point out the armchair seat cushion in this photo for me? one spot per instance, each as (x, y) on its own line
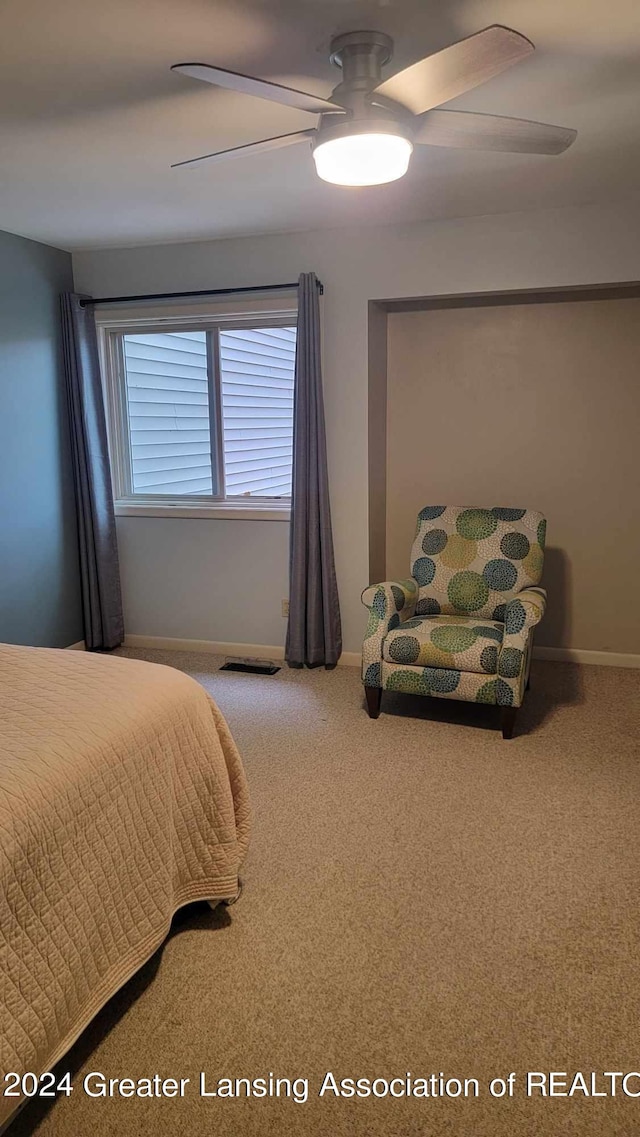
(463, 643)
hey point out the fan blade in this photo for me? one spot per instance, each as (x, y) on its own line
(456, 69)
(472, 131)
(275, 143)
(261, 88)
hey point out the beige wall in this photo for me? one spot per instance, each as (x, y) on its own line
(532, 405)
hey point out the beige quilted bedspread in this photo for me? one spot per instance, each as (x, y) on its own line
(122, 797)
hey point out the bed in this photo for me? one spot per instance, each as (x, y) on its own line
(122, 798)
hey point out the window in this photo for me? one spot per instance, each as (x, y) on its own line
(256, 379)
(167, 405)
(201, 416)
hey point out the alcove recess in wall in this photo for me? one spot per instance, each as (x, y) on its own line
(515, 398)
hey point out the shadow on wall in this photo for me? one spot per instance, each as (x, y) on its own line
(555, 629)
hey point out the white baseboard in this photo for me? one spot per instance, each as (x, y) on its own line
(584, 655)
(214, 647)
(79, 646)
(353, 658)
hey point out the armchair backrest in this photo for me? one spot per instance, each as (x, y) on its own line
(473, 561)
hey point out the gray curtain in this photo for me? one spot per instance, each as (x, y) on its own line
(100, 577)
(314, 635)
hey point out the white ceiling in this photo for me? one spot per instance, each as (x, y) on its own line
(91, 118)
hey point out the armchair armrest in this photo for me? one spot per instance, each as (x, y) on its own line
(389, 604)
(522, 613)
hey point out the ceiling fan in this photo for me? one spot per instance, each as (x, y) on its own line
(369, 125)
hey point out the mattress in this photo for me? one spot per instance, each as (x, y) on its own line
(122, 797)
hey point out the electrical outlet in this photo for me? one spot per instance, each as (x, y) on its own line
(285, 608)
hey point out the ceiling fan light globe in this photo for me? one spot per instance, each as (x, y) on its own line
(363, 159)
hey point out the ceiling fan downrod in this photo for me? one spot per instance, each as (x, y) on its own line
(361, 57)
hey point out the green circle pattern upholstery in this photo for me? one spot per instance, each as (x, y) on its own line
(448, 642)
(473, 561)
(460, 626)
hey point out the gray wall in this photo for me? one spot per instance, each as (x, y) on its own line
(39, 576)
(585, 245)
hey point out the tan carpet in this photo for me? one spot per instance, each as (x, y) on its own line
(420, 896)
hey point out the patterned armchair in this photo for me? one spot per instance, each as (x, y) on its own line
(461, 626)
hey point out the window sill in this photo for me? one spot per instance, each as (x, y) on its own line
(219, 510)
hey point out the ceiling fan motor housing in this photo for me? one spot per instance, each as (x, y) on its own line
(375, 121)
(361, 57)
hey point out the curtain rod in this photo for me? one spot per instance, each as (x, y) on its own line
(182, 295)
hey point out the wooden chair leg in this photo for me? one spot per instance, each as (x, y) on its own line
(373, 697)
(508, 721)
